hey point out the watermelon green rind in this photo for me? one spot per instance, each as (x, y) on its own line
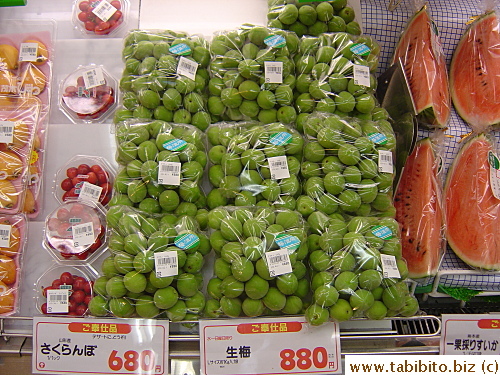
(425, 68)
(475, 73)
(472, 211)
(419, 212)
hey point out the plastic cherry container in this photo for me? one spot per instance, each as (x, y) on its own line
(100, 17)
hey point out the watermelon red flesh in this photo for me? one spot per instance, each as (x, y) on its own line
(425, 70)
(475, 73)
(419, 212)
(472, 211)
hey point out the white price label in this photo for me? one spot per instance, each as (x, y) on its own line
(494, 174)
(7, 131)
(166, 264)
(83, 234)
(93, 78)
(470, 334)
(5, 231)
(104, 10)
(361, 75)
(169, 173)
(385, 164)
(278, 262)
(187, 68)
(273, 71)
(278, 165)
(284, 345)
(90, 192)
(66, 345)
(389, 266)
(28, 52)
(57, 301)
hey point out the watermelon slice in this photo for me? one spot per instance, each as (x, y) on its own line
(472, 211)
(425, 67)
(419, 212)
(475, 73)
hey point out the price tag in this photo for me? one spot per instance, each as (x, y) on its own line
(187, 68)
(273, 71)
(169, 173)
(361, 75)
(284, 345)
(166, 264)
(83, 234)
(278, 262)
(99, 346)
(385, 164)
(57, 301)
(104, 10)
(389, 266)
(90, 192)
(93, 78)
(28, 52)
(5, 231)
(470, 334)
(7, 131)
(278, 166)
(494, 174)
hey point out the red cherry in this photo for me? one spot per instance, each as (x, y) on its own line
(78, 296)
(100, 31)
(79, 283)
(62, 230)
(71, 172)
(103, 25)
(106, 188)
(66, 184)
(62, 214)
(77, 209)
(67, 278)
(89, 26)
(83, 169)
(44, 308)
(116, 4)
(82, 16)
(95, 168)
(56, 283)
(72, 305)
(105, 200)
(69, 195)
(117, 15)
(87, 288)
(92, 178)
(97, 244)
(53, 224)
(87, 299)
(81, 309)
(84, 6)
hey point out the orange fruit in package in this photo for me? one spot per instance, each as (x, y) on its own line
(14, 243)
(7, 82)
(8, 270)
(11, 166)
(7, 299)
(8, 194)
(9, 56)
(31, 80)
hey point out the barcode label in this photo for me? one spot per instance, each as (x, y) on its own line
(273, 71)
(166, 264)
(361, 75)
(104, 10)
(389, 266)
(385, 164)
(28, 52)
(169, 173)
(7, 131)
(93, 78)
(187, 68)
(5, 231)
(57, 300)
(278, 165)
(83, 234)
(90, 192)
(278, 262)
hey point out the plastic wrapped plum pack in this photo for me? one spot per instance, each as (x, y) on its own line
(347, 166)
(165, 77)
(254, 164)
(260, 266)
(155, 267)
(252, 75)
(162, 167)
(313, 17)
(357, 269)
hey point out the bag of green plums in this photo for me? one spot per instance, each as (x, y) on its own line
(254, 164)
(165, 77)
(335, 73)
(260, 266)
(252, 75)
(347, 167)
(357, 269)
(312, 17)
(154, 269)
(162, 167)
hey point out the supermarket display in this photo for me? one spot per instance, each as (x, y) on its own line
(474, 72)
(472, 203)
(424, 62)
(419, 211)
(100, 17)
(260, 264)
(254, 164)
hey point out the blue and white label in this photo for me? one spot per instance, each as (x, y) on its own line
(360, 49)
(382, 231)
(276, 41)
(281, 138)
(287, 241)
(377, 138)
(186, 241)
(180, 49)
(175, 145)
